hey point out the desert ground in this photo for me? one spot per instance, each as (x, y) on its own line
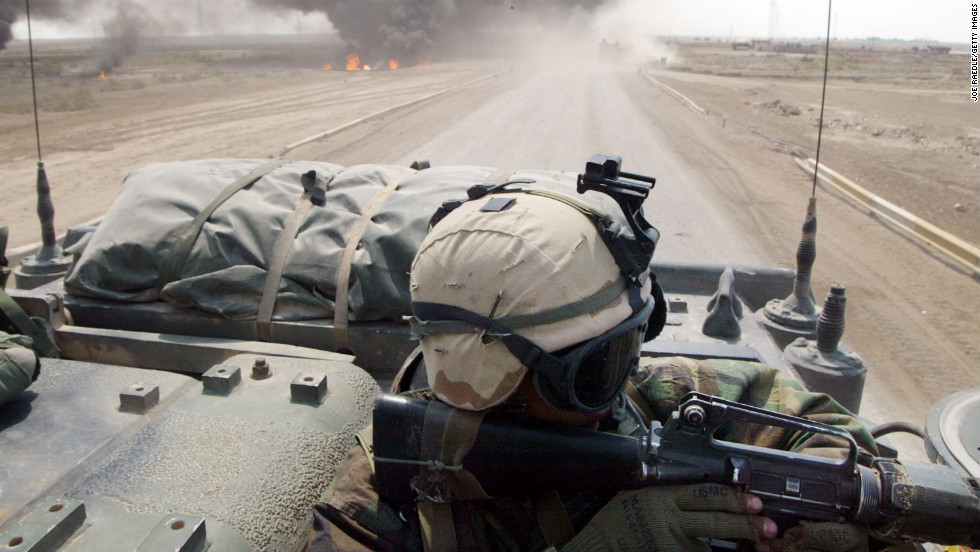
(898, 122)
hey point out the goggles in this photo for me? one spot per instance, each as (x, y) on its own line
(587, 377)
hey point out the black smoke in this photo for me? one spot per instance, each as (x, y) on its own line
(373, 29)
(7, 18)
(408, 30)
(126, 21)
(123, 32)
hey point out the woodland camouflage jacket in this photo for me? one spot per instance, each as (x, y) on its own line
(353, 518)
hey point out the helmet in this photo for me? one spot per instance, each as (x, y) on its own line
(502, 282)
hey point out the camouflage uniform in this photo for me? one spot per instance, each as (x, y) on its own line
(352, 518)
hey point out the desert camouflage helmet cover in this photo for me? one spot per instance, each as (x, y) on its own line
(538, 254)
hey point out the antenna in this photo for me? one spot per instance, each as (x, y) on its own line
(821, 361)
(796, 315)
(823, 98)
(50, 262)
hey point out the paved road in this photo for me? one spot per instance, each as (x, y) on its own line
(554, 117)
(721, 197)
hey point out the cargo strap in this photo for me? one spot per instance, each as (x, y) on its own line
(406, 374)
(365, 439)
(26, 326)
(341, 297)
(185, 238)
(314, 190)
(17, 316)
(448, 435)
(552, 518)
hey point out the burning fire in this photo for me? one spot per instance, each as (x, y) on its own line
(101, 74)
(353, 62)
(328, 67)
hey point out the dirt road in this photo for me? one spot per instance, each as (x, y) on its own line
(725, 194)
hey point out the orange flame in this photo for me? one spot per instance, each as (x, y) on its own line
(392, 64)
(328, 67)
(353, 62)
(367, 67)
(421, 63)
(101, 74)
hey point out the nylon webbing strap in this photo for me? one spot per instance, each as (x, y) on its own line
(428, 321)
(552, 518)
(438, 531)
(16, 315)
(26, 326)
(280, 251)
(448, 435)
(365, 439)
(184, 241)
(341, 298)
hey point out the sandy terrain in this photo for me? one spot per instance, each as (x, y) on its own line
(900, 124)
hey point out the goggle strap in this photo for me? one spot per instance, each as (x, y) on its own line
(431, 319)
(534, 357)
(522, 348)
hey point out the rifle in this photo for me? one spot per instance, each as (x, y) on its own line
(894, 500)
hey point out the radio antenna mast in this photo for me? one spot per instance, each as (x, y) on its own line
(796, 315)
(823, 98)
(50, 262)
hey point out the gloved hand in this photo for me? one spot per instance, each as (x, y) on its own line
(824, 537)
(19, 366)
(672, 518)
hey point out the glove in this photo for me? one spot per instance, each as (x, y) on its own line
(825, 537)
(18, 369)
(670, 519)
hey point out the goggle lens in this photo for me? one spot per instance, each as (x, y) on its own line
(604, 368)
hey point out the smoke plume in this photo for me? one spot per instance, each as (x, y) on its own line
(409, 29)
(373, 29)
(7, 17)
(123, 32)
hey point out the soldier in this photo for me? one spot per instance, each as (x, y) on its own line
(521, 306)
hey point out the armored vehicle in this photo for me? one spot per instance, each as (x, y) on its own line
(183, 411)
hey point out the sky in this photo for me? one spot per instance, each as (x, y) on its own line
(940, 21)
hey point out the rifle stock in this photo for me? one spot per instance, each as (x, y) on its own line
(895, 500)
